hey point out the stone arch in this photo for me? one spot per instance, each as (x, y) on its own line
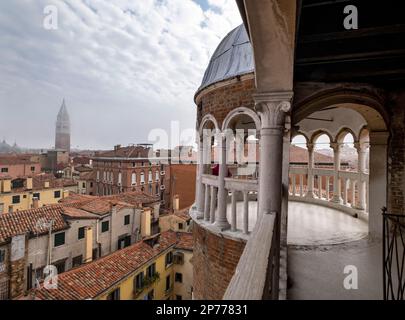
(296, 133)
(319, 133)
(342, 134)
(368, 105)
(206, 119)
(241, 111)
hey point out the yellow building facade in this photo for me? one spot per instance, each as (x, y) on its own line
(28, 196)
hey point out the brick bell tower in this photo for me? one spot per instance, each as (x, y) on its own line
(62, 132)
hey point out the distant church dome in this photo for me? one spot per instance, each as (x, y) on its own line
(233, 57)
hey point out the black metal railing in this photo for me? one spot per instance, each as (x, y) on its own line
(393, 256)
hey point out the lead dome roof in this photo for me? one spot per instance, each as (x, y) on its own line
(233, 57)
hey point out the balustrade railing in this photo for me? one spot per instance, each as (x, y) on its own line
(238, 189)
(353, 187)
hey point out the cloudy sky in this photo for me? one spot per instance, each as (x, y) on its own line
(125, 67)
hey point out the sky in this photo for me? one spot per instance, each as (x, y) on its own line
(128, 69)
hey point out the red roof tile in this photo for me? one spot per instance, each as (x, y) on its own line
(95, 278)
(28, 221)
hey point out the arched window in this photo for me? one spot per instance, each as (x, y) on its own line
(150, 180)
(142, 177)
(119, 178)
(133, 179)
(157, 175)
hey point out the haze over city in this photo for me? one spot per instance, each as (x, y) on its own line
(103, 60)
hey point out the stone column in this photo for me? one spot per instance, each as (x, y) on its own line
(310, 180)
(221, 220)
(337, 197)
(200, 186)
(272, 108)
(207, 203)
(362, 152)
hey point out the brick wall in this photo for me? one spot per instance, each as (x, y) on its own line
(215, 259)
(221, 101)
(396, 155)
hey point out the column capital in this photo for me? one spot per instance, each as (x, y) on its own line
(273, 107)
(310, 147)
(361, 146)
(335, 146)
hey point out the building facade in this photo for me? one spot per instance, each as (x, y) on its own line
(157, 268)
(65, 236)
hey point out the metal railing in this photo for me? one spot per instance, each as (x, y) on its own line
(393, 256)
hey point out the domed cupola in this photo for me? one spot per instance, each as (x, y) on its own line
(233, 57)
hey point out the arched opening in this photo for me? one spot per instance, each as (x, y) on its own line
(354, 137)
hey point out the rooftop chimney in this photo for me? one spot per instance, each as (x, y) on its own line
(117, 147)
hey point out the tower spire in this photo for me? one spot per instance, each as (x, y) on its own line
(62, 132)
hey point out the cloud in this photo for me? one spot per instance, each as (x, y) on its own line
(125, 67)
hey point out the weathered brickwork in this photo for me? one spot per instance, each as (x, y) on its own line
(221, 101)
(396, 155)
(215, 259)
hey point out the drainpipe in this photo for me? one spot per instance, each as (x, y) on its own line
(50, 243)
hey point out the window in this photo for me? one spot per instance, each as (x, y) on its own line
(156, 189)
(95, 254)
(150, 176)
(59, 239)
(168, 283)
(127, 219)
(139, 281)
(37, 195)
(91, 184)
(179, 258)
(2, 256)
(77, 261)
(180, 226)
(150, 272)
(142, 178)
(133, 179)
(119, 178)
(16, 199)
(105, 226)
(150, 189)
(150, 295)
(60, 266)
(80, 233)
(178, 277)
(56, 194)
(98, 175)
(169, 259)
(157, 175)
(33, 169)
(115, 295)
(84, 185)
(4, 170)
(179, 297)
(124, 241)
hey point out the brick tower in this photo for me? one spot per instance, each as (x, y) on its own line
(62, 132)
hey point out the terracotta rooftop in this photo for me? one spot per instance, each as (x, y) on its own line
(76, 213)
(185, 241)
(93, 279)
(183, 214)
(300, 155)
(28, 221)
(135, 198)
(125, 152)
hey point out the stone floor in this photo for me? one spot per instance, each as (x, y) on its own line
(317, 273)
(310, 224)
(322, 242)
